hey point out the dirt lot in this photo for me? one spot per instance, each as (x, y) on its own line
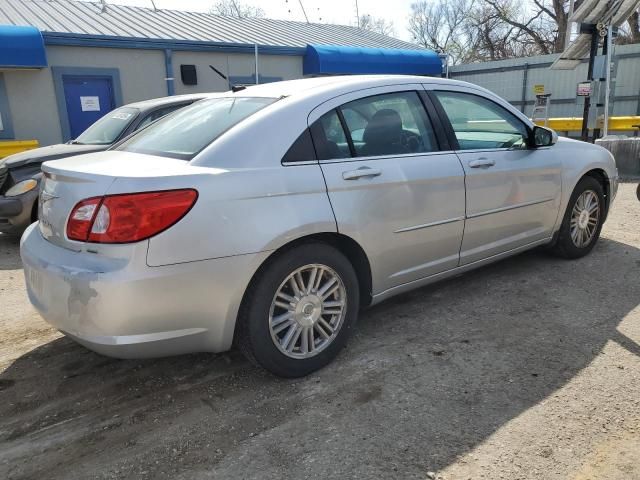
(529, 368)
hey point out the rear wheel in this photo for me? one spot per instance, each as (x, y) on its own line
(299, 311)
(582, 221)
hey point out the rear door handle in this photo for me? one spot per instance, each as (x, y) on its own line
(361, 172)
(482, 162)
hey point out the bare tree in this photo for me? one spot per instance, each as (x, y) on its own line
(373, 24)
(236, 9)
(480, 30)
(443, 26)
(493, 38)
(630, 33)
(634, 27)
(530, 27)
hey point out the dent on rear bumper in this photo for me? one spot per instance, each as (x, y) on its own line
(121, 307)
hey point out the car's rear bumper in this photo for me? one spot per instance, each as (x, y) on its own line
(123, 308)
(16, 213)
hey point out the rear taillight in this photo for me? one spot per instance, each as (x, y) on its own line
(128, 217)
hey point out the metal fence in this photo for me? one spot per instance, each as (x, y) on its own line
(514, 80)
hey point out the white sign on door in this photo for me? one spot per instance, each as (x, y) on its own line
(90, 104)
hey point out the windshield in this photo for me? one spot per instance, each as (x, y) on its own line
(184, 133)
(107, 130)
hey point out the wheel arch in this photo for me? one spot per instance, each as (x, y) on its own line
(602, 178)
(345, 244)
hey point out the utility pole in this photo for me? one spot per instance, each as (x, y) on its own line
(608, 42)
(358, 15)
(595, 40)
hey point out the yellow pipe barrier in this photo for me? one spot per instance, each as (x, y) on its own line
(574, 124)
(10, 147)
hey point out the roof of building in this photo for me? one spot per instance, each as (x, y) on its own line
(56, 18)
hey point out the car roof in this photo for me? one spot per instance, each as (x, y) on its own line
(167, 101)
(339, 82)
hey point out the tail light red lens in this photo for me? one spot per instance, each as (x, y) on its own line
(130, 217)
(79, 224)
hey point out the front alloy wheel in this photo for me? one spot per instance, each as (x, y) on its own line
(585, 218)
(582, 220)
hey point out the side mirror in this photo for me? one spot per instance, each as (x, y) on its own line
(544, 137)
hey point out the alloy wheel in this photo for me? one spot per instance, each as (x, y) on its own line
(585, 217)
(307, 311)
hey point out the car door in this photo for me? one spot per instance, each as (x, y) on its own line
(513, 190)
(393, 188)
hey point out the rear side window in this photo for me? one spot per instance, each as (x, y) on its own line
(480, 123)
(301, 150)
(187, 132)
(329, 138)
(390, 124)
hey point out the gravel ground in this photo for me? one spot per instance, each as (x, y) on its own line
(525, 369)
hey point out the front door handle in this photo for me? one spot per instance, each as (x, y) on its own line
(361, 172)
(482, 162)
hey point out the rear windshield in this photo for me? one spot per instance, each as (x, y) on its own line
(184, 133)
(107, 130)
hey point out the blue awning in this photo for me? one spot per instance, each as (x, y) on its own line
(21, 47)
(331, 59)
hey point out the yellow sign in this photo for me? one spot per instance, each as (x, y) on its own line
(538, 89)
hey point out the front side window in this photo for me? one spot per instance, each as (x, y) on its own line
(480, 123)
(185, 133)
(109, 128)
(389, 124)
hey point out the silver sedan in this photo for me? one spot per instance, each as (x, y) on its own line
(268, 217)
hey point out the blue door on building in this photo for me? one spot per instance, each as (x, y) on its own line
(87, 98)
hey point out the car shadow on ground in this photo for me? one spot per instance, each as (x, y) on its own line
(428, 376)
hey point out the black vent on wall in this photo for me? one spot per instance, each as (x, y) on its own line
(188, 74)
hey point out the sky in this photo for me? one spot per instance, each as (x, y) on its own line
(325, 11)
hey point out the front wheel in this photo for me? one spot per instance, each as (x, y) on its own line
(582, 221)
(299, 311)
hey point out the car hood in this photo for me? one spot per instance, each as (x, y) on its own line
(53, 152)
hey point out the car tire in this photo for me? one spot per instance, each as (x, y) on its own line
(580, 231)
(262, 333)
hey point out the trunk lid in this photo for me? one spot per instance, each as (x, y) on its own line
(68, 181)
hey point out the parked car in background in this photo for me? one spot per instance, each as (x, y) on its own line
(20, 173)
(268, 217)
